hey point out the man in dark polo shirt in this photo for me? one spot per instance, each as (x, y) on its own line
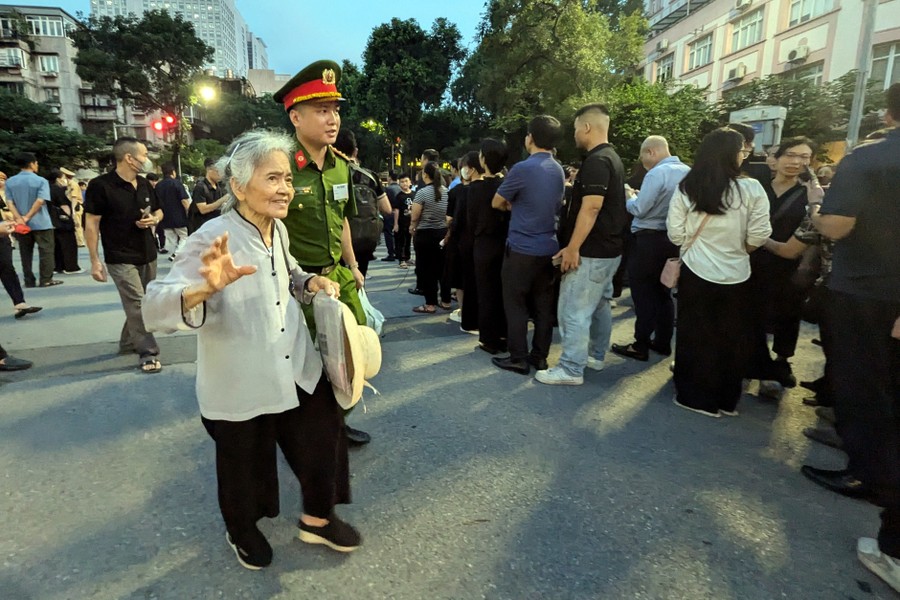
(861, 212)
(592, 233)
(532, 192)
(122, 208)
(209, 195)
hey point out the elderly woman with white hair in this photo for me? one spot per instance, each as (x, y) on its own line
(260, 382)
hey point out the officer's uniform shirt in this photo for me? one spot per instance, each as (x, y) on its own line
(322, 199)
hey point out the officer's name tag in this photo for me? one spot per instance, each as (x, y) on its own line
(341, 191)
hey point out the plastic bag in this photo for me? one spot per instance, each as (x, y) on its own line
(374, 318)
(332, 341)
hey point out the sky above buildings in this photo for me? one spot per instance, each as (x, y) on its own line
(297, 32)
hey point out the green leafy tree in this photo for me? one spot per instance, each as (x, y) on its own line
(27, 126)
(535, 55)
(230, 115)
(819, 112)
(639, 109)
(405, 70)
(150, 62)
(193, 156)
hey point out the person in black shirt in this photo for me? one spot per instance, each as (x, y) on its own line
(402, 209)
(592, 237)
(122, 207)
(471, 171)
(489, 228)
(209, 195)
(861, 212)
(777, 300)
(392, 189)
(174, 202)
(61, 215)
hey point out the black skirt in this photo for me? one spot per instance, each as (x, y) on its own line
(711, 347)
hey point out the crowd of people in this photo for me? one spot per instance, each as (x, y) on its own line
(734, 249)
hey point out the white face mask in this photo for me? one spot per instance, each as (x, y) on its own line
(465, 172)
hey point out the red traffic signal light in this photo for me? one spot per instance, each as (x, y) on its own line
(157, 126)
(169, 121)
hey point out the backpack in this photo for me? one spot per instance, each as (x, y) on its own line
(366, 226)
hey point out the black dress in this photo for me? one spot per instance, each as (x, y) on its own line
(66, 246)
(489, 228)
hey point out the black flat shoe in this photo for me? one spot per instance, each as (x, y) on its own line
(629, 351)
(842, 482)
(11, 363)
(507, 364)
(21, 312)
(355, 437)
(783, 374)
(815, 386)
(416, 292)
(491, 349)
(389, 259)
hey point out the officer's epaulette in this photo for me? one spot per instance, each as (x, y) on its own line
(339, 153)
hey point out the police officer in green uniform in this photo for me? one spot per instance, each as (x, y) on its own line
(317, 217)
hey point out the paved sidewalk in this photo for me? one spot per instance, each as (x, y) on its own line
(478, 484)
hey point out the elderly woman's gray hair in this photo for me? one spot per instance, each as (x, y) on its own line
(246, 153)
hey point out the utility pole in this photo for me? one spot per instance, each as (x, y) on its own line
(863, 58)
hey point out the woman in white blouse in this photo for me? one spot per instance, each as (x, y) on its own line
(711, 345)
(260, 381)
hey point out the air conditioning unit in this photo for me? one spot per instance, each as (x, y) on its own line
(737, 73)
(742, 4)
(799, 53)
(662, 45)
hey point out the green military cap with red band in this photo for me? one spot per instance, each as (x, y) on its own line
(318, 81)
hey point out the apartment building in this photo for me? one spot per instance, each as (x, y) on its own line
(217, 22)
(724, 44)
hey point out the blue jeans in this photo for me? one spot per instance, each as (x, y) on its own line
(585, 318)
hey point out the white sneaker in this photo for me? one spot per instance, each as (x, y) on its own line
(886, 567)
(456, 316)
(595, 364)
(556, 376)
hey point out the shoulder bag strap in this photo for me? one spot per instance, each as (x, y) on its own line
(693, 239)
(786, 206)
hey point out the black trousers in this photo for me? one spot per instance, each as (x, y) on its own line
(430, 265)
(402, 240)
(388, 231)
(65, 251)
(8, 275)
(653, 306)
(776, 308)
(469, 312)
(711, 345)
(488, 261)
(312, 441)
(46, 244)
(866, 391)
(528, 289)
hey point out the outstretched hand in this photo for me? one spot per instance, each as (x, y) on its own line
(218, 268)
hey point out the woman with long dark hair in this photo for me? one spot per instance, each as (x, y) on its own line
(428, 226)
(718, 217)
(489, 227)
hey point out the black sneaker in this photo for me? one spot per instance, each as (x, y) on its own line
(255, 553)
(356, 437)
(337, 535)
(539, 364)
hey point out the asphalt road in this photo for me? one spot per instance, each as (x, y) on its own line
(479, 483)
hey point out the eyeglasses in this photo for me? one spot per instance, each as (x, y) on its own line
(800, 156)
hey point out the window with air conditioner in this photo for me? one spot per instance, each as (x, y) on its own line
(49, 63)
(700, 52)
(665, 68)
(747, 30)
(886, 64)
(804, 10)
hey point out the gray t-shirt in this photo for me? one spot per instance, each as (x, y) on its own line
(434, 211)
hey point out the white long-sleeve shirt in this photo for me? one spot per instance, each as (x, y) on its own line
(252, 341)
(719, 254)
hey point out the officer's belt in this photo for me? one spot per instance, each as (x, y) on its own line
(319, 270)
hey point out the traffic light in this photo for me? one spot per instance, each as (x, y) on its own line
(166, 123)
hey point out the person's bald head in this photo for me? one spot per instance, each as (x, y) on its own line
(654, 149)
(591, 126)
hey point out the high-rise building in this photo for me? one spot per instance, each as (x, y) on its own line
(217, 22)
(723, 44)
(257, 55)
